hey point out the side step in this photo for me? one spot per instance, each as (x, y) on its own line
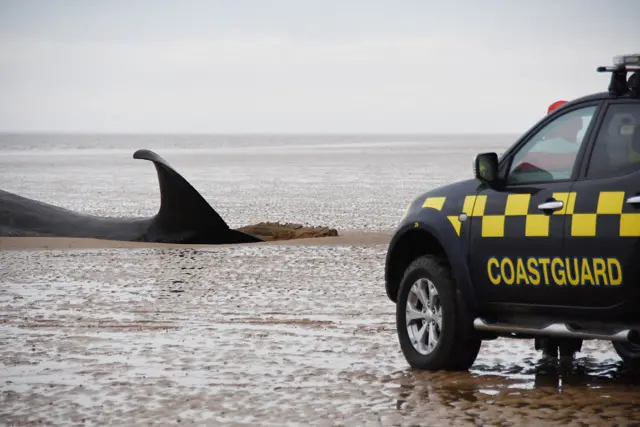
(558, 330)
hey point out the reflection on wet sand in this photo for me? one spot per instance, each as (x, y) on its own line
(585, 372)
(582, 392)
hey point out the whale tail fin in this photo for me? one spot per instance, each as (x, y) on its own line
(184, 215)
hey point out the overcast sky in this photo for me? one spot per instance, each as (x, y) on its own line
(302, 65)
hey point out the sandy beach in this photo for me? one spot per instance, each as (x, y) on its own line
(295, 332)
(269, 334)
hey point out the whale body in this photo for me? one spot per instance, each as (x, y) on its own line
(184, 216)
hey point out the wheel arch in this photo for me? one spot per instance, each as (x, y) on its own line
(409, 246)
(437, 237)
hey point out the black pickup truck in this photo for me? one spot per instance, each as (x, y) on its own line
(543, 243)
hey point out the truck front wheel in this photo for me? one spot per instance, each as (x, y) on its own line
(430, 324)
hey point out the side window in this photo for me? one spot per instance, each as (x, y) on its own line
(551, 152)
(617, 148)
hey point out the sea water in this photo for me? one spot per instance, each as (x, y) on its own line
(347, 182)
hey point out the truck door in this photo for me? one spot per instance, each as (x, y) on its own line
(517, 230)
(603, 231)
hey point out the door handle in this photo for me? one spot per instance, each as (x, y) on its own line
(634, 200)
(552, 205)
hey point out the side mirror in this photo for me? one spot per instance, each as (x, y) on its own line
(485, 167)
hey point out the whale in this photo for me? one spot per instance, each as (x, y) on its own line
(184, 216)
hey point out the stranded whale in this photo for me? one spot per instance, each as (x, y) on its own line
(184, 216)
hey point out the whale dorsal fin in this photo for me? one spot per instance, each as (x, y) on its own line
(182, 207)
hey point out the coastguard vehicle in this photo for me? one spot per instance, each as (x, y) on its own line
(543, 243)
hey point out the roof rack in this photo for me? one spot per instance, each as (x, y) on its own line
(619, 85)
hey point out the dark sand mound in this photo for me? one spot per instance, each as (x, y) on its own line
(271, 231)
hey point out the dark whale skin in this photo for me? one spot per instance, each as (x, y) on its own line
(184, 216)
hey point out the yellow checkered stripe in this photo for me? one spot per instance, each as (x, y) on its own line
(438, 203)
(610, 203)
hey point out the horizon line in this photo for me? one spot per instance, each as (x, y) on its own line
(256, 133)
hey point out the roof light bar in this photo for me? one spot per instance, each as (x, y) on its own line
(623, 64)
(618, 68)
(626, 60)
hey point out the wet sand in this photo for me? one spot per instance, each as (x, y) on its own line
(278, 333)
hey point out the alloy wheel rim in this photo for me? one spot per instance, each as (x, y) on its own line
(423, 316)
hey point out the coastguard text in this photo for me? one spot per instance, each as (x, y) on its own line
(554, 271)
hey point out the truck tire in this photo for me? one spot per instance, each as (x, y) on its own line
(628, 352)
(433, 329)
